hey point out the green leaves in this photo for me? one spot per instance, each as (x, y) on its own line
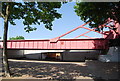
(33, 13)
(17, 38)
(98, 13)
(28, 28)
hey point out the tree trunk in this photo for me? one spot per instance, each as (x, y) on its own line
(5, 60)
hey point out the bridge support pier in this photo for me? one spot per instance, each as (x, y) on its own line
(15, 54)
(113, 55)
(80, 55)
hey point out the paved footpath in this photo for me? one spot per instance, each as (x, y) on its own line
(72, 71)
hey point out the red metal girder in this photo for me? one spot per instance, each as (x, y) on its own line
(55, 39)
(87, 36)
(92, 30)
(81, 26)
(61, 44)
(74, 29)
(82, 34)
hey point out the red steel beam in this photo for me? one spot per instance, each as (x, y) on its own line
(74, 29)
(82, 34)
(81, 26)
(56, 39)
(61, 44)
(92, 30)
(87, 36)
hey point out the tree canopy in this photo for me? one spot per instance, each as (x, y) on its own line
(32, 13)
(17, 38)
(98, 13)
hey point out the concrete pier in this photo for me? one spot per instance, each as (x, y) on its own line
(113, 55)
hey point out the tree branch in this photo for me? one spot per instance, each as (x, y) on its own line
(2, 15)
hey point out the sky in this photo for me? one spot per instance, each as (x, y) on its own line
(60, 26)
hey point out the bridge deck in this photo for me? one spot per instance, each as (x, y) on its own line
(60, 44)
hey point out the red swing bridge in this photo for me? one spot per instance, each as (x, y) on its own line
(58, 43)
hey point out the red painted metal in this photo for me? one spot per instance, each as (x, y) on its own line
(55, 39)
(61, 44)
(82, 34)
(87, 36)
(57, 43)
(81, 26)
(111, 35)
(112, 24)
(117, 26)
(74, 29)
(92, 30)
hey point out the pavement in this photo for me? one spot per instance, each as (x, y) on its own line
(91, 70)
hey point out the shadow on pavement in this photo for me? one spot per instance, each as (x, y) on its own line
(97, 71)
